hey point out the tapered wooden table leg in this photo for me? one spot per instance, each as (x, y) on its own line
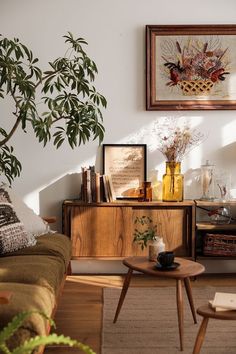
(123, 293)
(180, 311)
(185, 270)
(200, 336)
(188, 289)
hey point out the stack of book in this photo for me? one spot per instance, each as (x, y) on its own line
(223, 302)
(96, 187)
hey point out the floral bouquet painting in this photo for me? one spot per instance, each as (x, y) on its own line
(194, 65)
(190, 67)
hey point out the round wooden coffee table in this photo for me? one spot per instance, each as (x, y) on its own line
(182, 274)
(207, 312)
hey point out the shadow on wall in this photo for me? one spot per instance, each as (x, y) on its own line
(67, 187)
(224, 161)
(192, 184)
(52, 197)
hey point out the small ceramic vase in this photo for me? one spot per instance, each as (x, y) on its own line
(155, 247)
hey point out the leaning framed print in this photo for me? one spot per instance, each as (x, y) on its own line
(126, 166)
(190, 67)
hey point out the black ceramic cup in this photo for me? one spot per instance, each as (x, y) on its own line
(166, 259)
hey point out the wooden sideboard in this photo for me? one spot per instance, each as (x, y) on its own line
(105, 230)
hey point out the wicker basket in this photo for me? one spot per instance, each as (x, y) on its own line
(219, 245)
(195, 87)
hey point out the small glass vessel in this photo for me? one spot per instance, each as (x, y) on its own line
(207, 182)
(145, 192)
(156, 185)
(173, 183)
(222, 185)
(221, 215)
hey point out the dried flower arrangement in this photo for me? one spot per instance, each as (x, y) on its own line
(174, 141)
(195, 59)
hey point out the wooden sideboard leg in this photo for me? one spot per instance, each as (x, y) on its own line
(123, 293)
(200, 335)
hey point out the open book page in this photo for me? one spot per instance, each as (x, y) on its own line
(217, 308)
(225, 300)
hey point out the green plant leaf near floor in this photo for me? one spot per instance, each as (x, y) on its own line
(59, 104)
(35, 342)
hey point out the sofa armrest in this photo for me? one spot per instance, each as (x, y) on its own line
(49, 219)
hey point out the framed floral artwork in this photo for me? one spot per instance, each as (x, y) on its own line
(190, 67)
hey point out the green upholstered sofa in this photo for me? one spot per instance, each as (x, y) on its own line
(35, 275)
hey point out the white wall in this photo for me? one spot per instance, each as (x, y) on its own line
(115, 31)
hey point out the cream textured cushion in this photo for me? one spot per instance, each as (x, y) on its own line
(13, 235)
(33, 224)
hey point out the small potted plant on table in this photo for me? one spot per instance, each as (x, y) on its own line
(146, 236)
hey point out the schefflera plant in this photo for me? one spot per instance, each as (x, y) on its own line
(59, 104)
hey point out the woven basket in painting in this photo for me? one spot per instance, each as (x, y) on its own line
(195, 87)
(219, 245)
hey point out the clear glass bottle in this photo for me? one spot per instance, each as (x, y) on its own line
(173, 183)
(207, 181)
(222, 186)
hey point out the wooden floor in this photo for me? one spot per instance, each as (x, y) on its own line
(79, 314)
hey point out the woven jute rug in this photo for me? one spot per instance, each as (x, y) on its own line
(147, 323)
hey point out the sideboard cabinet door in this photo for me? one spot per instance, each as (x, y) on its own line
(102, 232)
(171, 225)
(107, 230)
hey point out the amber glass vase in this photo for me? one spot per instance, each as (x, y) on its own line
(173, 183)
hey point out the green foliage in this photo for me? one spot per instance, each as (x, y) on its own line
(144, 235)
(30, 345)
(66, 91)
(10, 166)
